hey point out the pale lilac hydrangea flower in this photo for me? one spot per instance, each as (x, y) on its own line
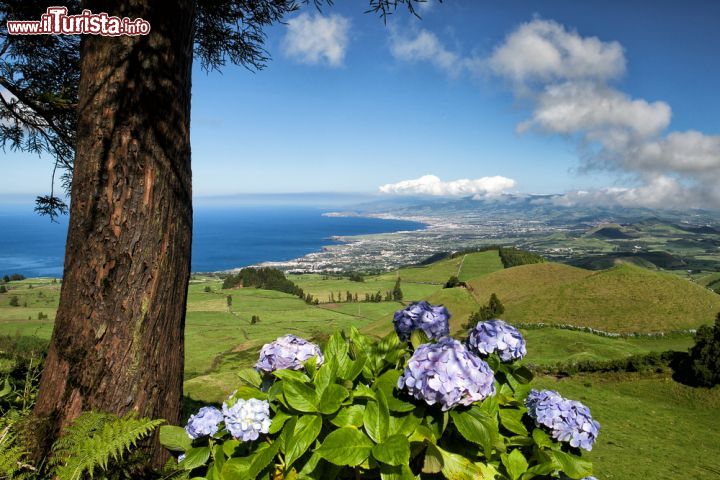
(247, 419)
(447, 373)
(431, 319)
(287, 352)
(497, 336)
(568, 420)
(205, 422)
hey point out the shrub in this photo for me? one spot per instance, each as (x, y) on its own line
(3, 289)
(356, 277)
(363, 408)
(705, 355)
(264, 277)
(513, 257)
(454, 282)
(14, 301)
(493, 309)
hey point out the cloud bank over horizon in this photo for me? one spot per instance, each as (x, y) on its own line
(431, 185)
(567, 79)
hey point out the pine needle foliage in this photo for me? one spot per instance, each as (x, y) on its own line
(94, 440)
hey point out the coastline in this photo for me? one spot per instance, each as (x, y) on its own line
(315, 262)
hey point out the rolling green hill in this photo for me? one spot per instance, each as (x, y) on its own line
(624, 298)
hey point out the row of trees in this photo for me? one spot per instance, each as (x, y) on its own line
(394, 295)
(15, 277)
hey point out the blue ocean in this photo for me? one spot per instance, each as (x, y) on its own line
(223, 238)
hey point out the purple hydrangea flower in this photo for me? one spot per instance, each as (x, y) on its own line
(431, 319)
(247, 419)
(287, 352)
(497, 336)
(204, 422)
(447, 373)
(568, 420)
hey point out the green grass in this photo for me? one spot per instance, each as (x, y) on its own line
(624, 298)
(437, 273)
(475, 265)
(651, 426)
(548, 346)
(711, 281)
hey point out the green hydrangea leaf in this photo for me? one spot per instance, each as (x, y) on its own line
(175, 438)
(351, 416)
(395, 450)
(300, 396)
(305, 432)
(377, 418)
(346, 446)
(515, 464)
(332, 399)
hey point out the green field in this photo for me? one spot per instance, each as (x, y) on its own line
(635, 411)
(548, 346)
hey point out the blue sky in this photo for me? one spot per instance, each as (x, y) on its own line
(348, 104)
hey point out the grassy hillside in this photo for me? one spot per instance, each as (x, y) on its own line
(710, 281)
(437, 273)
(475, 265)
(547, 346)
(624, 298)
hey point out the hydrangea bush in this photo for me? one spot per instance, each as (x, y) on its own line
(416, 404)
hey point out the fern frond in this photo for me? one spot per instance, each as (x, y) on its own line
(82, 428)
(96, 438)
(11, 457)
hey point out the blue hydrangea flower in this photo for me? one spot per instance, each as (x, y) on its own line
(287, 352)
(568, 420)
(247, 419)
(448, 374)
(205, 422)
(497, 336)
(431, 319)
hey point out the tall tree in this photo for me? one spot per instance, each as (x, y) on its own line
(121, 133)
(397, 293)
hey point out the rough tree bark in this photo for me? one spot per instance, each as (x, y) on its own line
(117, 345)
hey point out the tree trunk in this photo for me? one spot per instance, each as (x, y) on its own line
(117, 345)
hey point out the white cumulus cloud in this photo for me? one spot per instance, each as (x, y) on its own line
(425, 46)
(544, 50)
(569, 108)
(434, 186)
(317, 39)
